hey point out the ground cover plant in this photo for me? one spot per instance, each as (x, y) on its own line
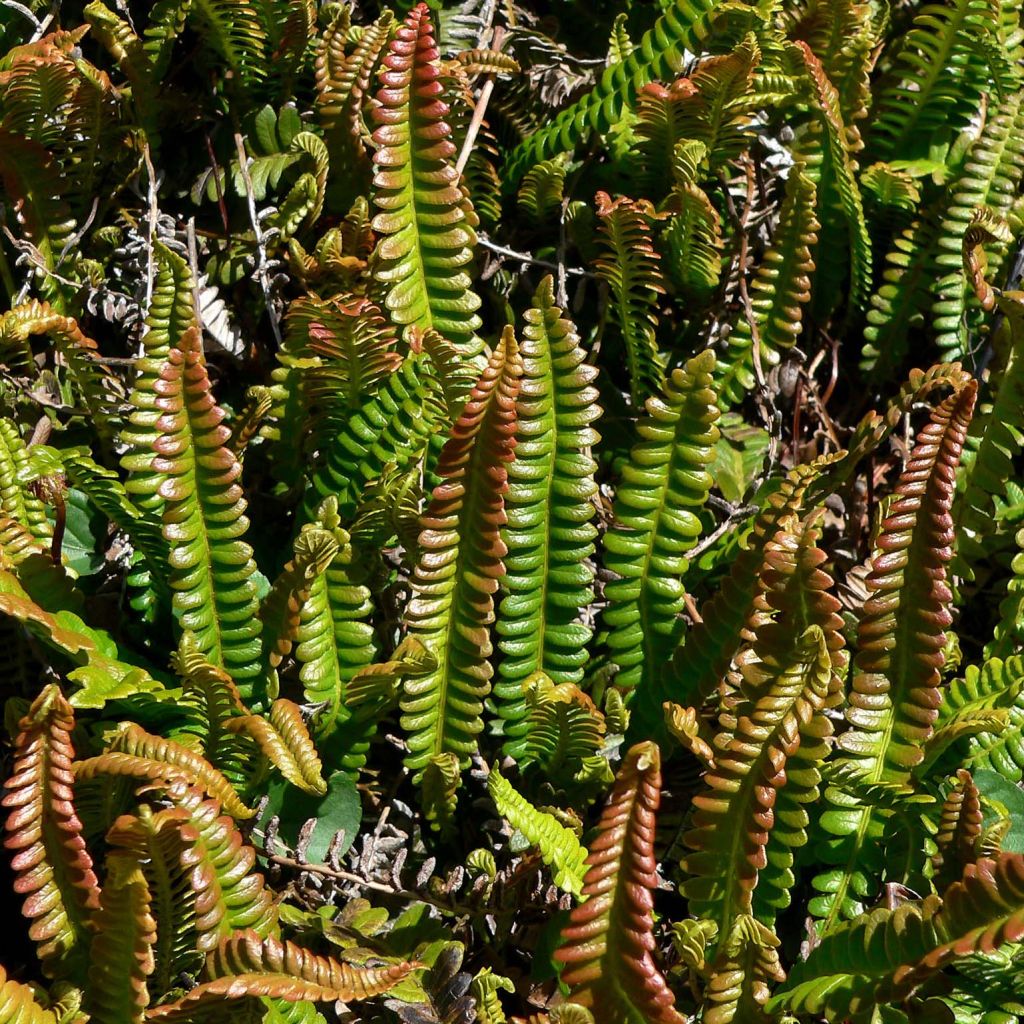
(509, 511)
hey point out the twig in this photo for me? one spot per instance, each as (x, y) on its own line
(22, 9)
(75, 238)
(480, 109)
(382, 887)
(769, 411)
(262, 273)
(525, 257)
(738, 515)
(153, 215)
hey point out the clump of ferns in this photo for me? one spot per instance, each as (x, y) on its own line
(177, 893)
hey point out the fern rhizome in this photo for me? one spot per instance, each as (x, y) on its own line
(510, 511)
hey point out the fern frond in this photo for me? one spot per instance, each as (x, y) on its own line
(229, 895)
(664, 486)
(996, 685)
(31, 178)
(999, 429)
(204, 520)
(52, 867)
(121, 958)
(425, 219)
(660, 54)
(442, 777)
(333, 640)
(608, 944)
(234, 30)
(286, 743)
(777, 294)
(153, 840)
(18, 1004)
(461, 562)
(392, 427)
(354, 341)
(959, 829)
(16, 501)
(693, 238)
(838, 189)
(542, 191)
(746, 961)
(564, 726)
(933, 89)
(88, 377)
(894, 699)
(883, 956)
(718, 111)
(630, 265)
(342, 84)
(780, 736)
(557, 845)
(247, 964)
(699, 666)
(550, 534)
(210, 698)
(989, 181)
(281, 611)
(171, 313)
(139, 754)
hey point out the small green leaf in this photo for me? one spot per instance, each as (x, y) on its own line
(339, 810)
(82, 533)
(1005, 798)
(739, 455)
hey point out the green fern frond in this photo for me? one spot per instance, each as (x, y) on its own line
(211, 566)
(630, 265)
(461, 563)
(425, 220)
(557, 845)
(777, 294)
(693, 238)
(550, 534)
(664, 487)
(660, 54)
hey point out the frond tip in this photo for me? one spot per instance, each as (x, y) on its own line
(607, 947)
(245, 965)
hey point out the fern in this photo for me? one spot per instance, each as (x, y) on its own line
(990, 178)
(838, 189)
(18, 1004)
(629, 263)
(663, 487)
(122, 950)
(683, 26)
(283, 738)
(781, 733)
(848, 973)
(894, 699)
(781, 288)
(333, 640)
(461, 562)
(139, 754)
(152, 840)
(549, 534)
(52, 867)
(426, 221)
(558, 846)
(606, 947)
(933, 89)
(693, 238)
(247, 965)
(211, 567)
